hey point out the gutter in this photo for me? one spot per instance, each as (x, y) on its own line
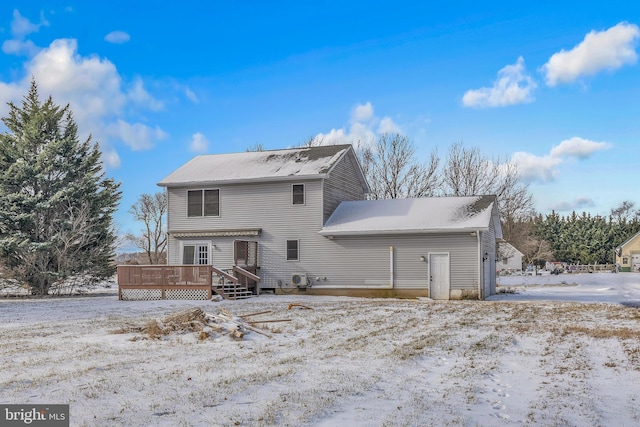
(330, 234)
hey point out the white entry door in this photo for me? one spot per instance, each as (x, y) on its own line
(439, 276)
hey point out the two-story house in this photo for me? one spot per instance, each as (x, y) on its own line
(300, 216)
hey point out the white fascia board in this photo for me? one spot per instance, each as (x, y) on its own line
(242, 181)
(345, 233)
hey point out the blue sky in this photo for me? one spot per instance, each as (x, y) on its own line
(554, 87)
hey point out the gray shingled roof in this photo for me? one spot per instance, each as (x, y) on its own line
(292, 163)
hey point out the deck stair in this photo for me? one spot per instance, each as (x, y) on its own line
(228, 286)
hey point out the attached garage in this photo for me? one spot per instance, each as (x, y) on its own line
(441, 247)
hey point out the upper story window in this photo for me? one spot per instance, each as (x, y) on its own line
(298, 194)
(203, 203)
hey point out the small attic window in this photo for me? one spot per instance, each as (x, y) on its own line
(298, 194)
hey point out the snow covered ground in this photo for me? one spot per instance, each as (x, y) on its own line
(553, 354)
(595, 287)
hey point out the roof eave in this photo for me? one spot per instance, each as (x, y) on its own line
(242, 181)
(329, 233)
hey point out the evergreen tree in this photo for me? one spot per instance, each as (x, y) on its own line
(584, 239)
(56, 206)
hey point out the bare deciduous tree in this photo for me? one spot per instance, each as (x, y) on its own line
(534, 249)
(312, 141)
(467, 172)
(393, 172)
(256, 147)
(624, 212)
(151, 210)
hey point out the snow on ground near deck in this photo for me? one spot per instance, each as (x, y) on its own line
(546, 356)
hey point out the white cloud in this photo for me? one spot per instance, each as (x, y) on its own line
(600, 50)
(582, 202)
(191, 95)
(578, 147)
(362, 113)
(9, 92)
(513, 86)
(91, 84)
(364, 128)
(100, 101)
(536, 168)
(137, 135)
(110, 156)
(20, 47)
(138, 94)
(117, 37)
(20, 28)
(545, 168)
(199, 143)
(388, 126)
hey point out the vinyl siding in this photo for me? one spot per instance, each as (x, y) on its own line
(267, 206)
(364, 261)
(343, 262)
(489, 247)
(342, 184)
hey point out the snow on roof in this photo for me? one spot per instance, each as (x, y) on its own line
(509, 247)
(256, 165)
(435, 214)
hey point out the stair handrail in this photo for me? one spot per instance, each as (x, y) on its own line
(225, 275)
(242, 272)
(247, 275)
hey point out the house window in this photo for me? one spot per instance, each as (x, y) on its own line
(298, 194)
(195, 254)
(625, 260)
(293, 247)
(203, 203)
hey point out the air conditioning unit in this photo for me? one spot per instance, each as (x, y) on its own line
(299, 279)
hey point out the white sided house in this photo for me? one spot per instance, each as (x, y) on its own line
(509, 258)
(299, 219)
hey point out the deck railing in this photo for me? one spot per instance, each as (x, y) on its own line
(164, 281)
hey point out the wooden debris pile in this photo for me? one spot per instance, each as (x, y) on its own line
(204, 324)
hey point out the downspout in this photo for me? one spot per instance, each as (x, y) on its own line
(480, 265)
(167, 246)
(391, 267)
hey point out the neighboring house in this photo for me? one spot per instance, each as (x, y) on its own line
(509, 257)
(300, 217)
(628, 254)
